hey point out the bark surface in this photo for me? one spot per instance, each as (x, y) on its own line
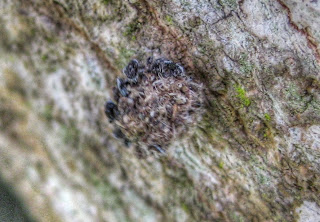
(255, 155)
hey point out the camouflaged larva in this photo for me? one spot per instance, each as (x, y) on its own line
(155, 103)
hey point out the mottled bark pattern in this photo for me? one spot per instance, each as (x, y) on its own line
(255, 156)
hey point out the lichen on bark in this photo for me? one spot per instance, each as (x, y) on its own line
(253, 157)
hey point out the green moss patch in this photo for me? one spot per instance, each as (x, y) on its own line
(241, 95)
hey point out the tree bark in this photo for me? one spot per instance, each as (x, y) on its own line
(254, 156)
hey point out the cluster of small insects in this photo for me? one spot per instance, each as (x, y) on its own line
(155, 103)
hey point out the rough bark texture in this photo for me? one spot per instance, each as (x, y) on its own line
(255, 156)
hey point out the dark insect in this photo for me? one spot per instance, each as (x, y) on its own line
(149, 64)
(119, 135)
(132, 70)
(166, 68)
(149, 61)
(121, 84)
(157, 67)
(111, 111)
(172, 69)
(178, 70)
(116, 94)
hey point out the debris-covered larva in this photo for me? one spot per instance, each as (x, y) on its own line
(154, 103)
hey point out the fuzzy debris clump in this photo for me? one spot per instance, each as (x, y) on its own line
(155, 103)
